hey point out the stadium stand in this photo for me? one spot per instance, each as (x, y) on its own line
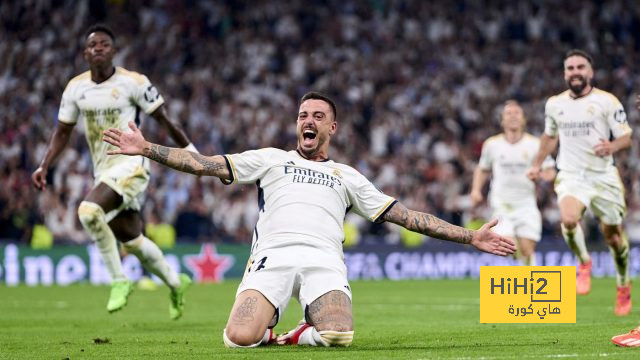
(418, 86)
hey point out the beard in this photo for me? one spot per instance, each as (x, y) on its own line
(577, 88)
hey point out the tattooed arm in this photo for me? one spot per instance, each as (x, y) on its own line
(483, 239)
(187, 161)
(133, 143)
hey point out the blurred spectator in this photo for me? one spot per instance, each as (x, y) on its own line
(418, 86)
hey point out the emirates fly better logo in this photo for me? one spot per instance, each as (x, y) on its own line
(527, 294)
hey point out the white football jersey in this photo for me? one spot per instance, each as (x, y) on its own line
(112, 103)
(508, 164)
(580, 124)
(304, 202)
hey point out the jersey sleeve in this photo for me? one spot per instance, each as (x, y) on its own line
(550, 124)
(617, 119)
(486, 158)
(146, 96)
(367, 201)
(249, 166)
(68, 112)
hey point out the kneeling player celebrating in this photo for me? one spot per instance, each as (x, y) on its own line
(297, 242)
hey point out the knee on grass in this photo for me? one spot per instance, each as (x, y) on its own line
(238, 339)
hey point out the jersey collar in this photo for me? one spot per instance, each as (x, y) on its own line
(302, 156)
(581, 96)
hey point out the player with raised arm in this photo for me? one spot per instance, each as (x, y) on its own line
(590, 125)
(103, 97)
(512, 196)
(303, 197)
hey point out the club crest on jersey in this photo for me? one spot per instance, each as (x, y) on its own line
(337, 173)
(115, 94)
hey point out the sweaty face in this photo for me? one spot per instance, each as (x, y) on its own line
(99, 49)
(315, 126)
(513, 117)
(577, 74)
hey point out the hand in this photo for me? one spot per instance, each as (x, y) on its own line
(476, 198)
(603, 148)
(486, 240)
(39, 178)
(132, 143)
(533, 173)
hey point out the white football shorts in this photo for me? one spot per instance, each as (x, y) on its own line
(602, 192)
(130, 180)
(522, 221)
(298, 271)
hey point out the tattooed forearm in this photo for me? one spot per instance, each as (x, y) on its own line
(427, 224)
(187, 161)
(157, 153)
(210, 167)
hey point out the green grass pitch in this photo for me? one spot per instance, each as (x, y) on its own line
(393, 320)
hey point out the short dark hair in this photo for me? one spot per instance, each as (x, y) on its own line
(313, 95)
(100, 28)
(579, 52)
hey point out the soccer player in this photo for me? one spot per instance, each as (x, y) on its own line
(590, 125)
(632, 338)
(103, 97)
(512, 196)
(303, 197)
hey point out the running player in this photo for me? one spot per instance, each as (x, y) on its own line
(512, 196)
(590, 125)
(103, 97)
(632, 338)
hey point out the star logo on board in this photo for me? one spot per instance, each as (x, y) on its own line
(208, 266)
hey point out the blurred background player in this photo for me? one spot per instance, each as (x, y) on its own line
(103, 97)
(512, 196)
(632, 338)
(582, 120)
(297, 242)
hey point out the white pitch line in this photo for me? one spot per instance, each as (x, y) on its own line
(550, 356)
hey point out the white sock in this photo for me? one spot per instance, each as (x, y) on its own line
(310, 336)
(575, 239)
(94, 222)
(152, 259)
(268, 334)
(621, 260)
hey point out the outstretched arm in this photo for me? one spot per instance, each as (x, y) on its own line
(483, 239)
(133, 143)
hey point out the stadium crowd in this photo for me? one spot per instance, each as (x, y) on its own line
(418, 85)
